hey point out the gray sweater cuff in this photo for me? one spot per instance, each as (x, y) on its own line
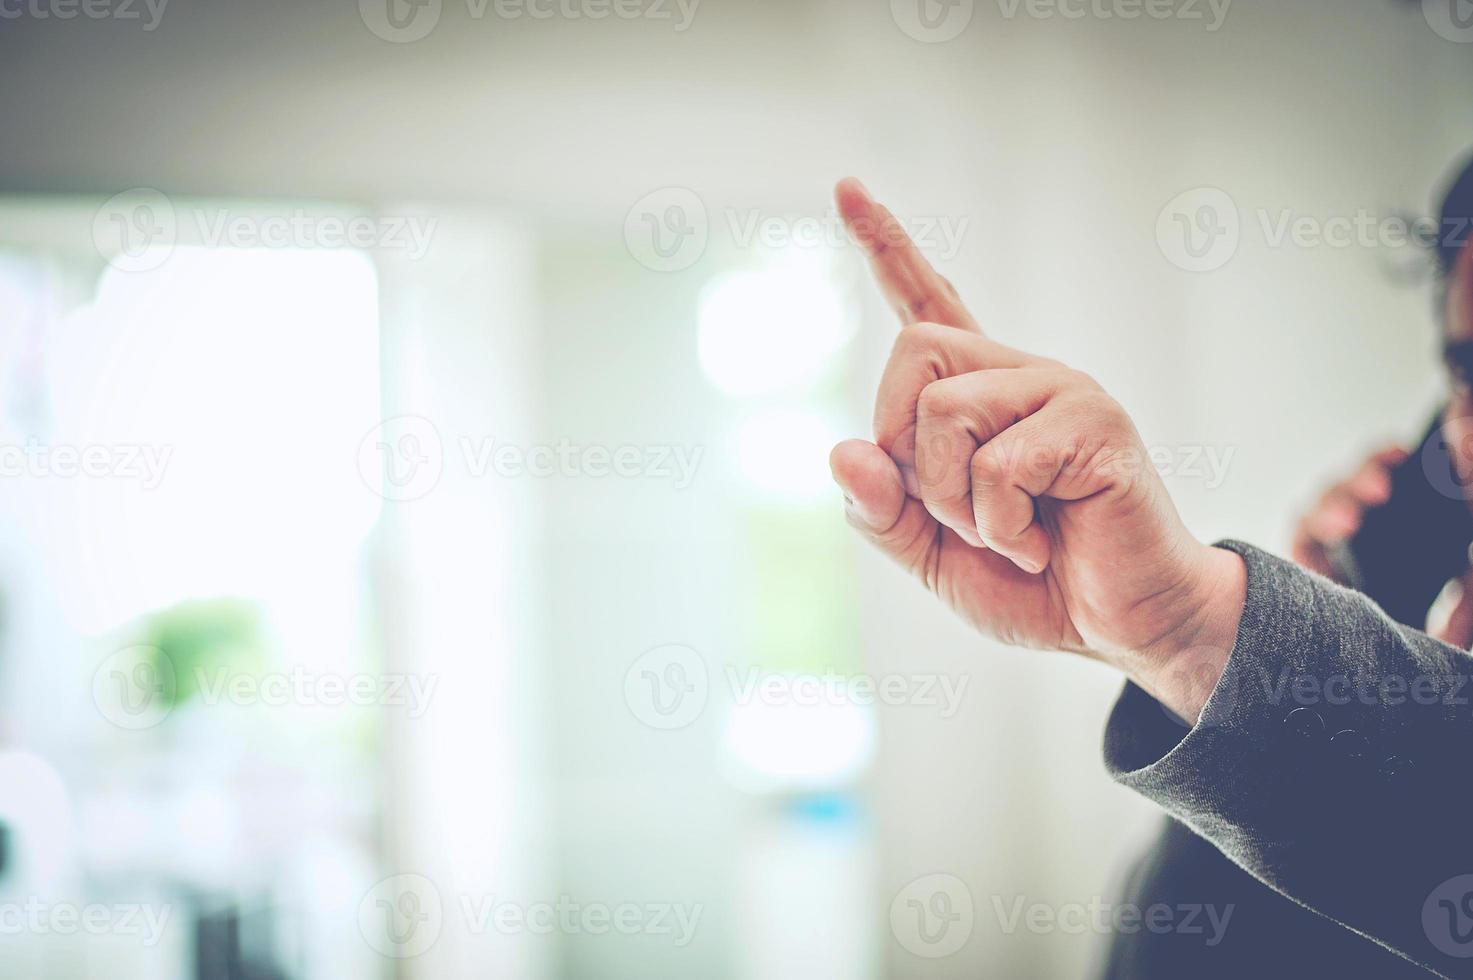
(1313, 664)
(1331, 760)
(1153, 751)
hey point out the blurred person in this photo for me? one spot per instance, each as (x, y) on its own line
(1312, 753)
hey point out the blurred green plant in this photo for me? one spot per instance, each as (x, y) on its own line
(202, 637)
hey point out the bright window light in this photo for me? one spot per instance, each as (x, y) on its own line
(775, 328)
(247, 377)
(823, 744)
(784, 453)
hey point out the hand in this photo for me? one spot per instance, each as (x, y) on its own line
(1451, 617)
(1020, 493)
(1338, 513)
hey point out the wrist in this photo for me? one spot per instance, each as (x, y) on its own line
(1181, 668)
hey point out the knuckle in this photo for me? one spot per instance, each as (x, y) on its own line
(935, 400)
(1082, 381)
(933, 459)
(906, 341)
(919, 351)
(1112, 414)
(920, 337)
(1098, 416)
(989, 465)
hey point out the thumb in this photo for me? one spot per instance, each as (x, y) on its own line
(873, 492)
(877, 505)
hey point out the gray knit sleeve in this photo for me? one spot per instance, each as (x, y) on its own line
(1333, 761)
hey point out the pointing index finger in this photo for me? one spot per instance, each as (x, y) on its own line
(914, 289)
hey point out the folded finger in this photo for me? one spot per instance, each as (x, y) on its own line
(957, 416)
(925, 353)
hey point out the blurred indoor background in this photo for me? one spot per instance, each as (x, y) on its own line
(417, 552)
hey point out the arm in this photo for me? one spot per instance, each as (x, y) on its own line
(1331, 761)
(1020, 493)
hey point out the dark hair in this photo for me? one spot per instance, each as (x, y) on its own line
(1455, 226)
